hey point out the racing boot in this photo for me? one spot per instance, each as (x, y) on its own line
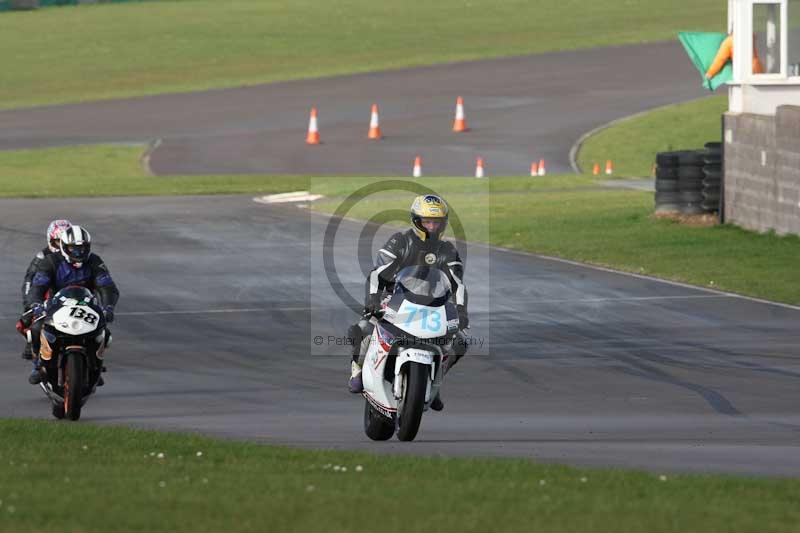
(356, 385)
(37, 374)
(437, 404)
(27, 353)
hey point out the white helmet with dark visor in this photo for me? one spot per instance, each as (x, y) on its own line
(76, 245)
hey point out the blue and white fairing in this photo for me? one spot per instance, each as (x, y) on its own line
(418, 325)
(421, 305)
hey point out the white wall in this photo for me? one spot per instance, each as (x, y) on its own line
(762, 93)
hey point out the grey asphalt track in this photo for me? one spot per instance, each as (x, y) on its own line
(520, 109)
(222, 298)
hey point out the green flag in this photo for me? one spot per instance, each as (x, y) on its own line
(702, 47)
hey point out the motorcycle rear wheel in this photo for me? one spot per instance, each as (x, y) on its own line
(409, 415)
(377, 426)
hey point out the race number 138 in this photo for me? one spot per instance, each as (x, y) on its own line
(79, 312)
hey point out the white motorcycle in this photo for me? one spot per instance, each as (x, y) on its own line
(407, 355)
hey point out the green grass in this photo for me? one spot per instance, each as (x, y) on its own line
(632, 144)
(114, 171)
(617, 229)
(114, 50)
(474, 202)
(111, 479)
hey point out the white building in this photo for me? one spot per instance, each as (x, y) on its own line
(776, 27)
(762, 125)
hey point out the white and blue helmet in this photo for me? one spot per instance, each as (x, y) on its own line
(76, 245)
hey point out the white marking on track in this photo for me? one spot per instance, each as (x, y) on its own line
(213, 311)
(206, 311)
(601, 269)
(638, 276)
(624, 299)
(287, 197)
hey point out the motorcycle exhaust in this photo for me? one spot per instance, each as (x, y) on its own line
(55, 398)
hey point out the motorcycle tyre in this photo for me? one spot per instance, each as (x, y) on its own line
(73, 386)
(410, 416)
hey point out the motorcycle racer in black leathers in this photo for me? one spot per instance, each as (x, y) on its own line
(76, 265)
(420, 245)
(53, 238)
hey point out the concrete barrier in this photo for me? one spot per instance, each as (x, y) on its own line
(762, 170)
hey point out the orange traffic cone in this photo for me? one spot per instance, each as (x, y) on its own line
(374, 125)
(596, 169)
(460, 123)
(479, 168)
(542, 170)
(534, 169)
(417, 173)
(609, 167)
(313, 132)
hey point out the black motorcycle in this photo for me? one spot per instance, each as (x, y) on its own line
(73, 339)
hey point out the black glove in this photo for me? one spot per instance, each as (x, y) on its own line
(108, 311)
(354, 332)
(463, 318)
(26, 319)
(373, 305)
(37, 311)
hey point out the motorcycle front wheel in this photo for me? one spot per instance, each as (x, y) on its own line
(412, 404)
(73, 386)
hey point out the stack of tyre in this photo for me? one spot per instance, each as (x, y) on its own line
(712, 183)
(680, 182)
(667, 197)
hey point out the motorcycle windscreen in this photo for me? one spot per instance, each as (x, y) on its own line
(423, 285)
(424, 293)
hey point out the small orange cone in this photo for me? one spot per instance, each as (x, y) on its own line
(417, 173)
(479, 168)
(313, 131)
(596, 169)
(534, 169)
(460, 123)
(374, 125)
(542, 170)
(609, 167)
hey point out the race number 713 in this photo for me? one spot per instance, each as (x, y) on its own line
(434, 324)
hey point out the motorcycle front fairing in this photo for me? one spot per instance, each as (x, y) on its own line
(418, 325)
(377, 389)
(70, 325)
